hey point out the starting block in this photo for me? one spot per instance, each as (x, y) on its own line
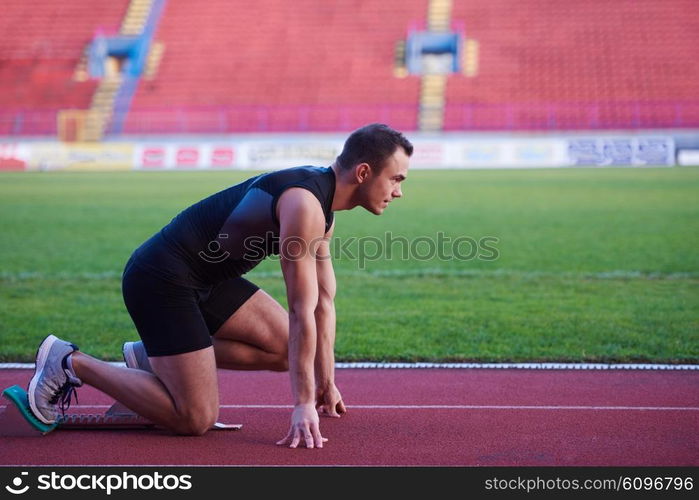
(16, 419)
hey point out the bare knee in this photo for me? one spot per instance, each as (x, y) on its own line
(280, 358)
(195, 423)
(281, 363)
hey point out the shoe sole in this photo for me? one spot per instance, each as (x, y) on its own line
(129, 355)
(41, 355)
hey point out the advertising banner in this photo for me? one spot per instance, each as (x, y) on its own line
(80, 156)
(185, 156)
(431, 152)
(14, 156)
(622, 151)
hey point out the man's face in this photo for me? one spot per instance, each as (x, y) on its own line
(382, 188)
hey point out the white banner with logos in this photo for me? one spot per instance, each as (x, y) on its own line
(544, 152)
(14, 156)
(184, 156)
(687, 157)
(257, 155)
(428, 154)
(43, 155)
(431, 152)
(622, 151)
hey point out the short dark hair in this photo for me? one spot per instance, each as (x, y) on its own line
(372, 144)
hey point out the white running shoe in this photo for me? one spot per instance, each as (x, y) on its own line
(53, 385)
(135, 356)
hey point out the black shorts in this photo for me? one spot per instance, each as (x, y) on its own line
(174, 319)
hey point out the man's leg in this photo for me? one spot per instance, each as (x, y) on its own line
(254, 337)
(182, 395)
(182, 392)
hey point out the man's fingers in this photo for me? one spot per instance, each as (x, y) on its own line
(308, 437)
(341, 407)
(335, 410)
(331, 410)
(311, 437)
(287, 438)
(305, 427)
(295, 440)
(316, 435)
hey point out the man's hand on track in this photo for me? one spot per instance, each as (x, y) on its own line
(305, 428)
(329, 401)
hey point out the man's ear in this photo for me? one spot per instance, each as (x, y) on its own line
(362, 172)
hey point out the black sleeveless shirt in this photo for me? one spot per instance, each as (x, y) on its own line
(227, 234)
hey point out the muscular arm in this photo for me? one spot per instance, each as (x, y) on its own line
(302, 226)
(329, 399)
(325, 315)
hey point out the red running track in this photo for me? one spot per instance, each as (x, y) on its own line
(407, 417)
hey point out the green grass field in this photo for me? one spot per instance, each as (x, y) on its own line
(592, 264)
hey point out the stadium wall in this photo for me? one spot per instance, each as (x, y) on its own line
(262, 152)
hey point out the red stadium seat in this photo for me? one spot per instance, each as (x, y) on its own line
(274, 65)
(582, 64)
(40, 46)
(307, 65)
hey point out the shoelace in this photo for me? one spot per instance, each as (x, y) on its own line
(65, 393)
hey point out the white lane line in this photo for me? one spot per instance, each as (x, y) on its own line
(449, 407)
(466, 366)
(519, 366)
(486, 407)
(244, 466)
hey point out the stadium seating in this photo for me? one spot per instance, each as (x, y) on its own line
(276, 65)
(41, 43)
(310, 65)
(578, 64)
